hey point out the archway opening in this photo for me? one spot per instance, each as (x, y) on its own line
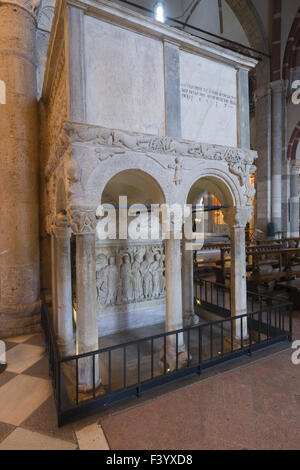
(130, 270)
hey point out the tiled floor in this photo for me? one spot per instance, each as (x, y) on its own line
(247, 404)
(27, 411)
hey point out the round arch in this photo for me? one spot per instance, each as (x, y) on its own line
(293, 143)
(217, 183)
(248, 17)
(137, 185)
(292, 54)
(138, 168)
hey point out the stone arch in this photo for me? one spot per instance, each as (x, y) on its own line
(141, 166)
(249, 19)
(137, 185)
(293, 143)
(218, 183)
(292, 51)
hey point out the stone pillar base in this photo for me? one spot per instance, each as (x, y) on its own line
(21, 320)
(66, 349)
(190, 319)
(171, 358)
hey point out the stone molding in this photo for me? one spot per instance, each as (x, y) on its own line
(108, 143)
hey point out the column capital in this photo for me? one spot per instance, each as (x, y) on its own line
(31, 7)
(61, 228)
(82, 220)
(295, 167)
(278, 86)
(238, 217)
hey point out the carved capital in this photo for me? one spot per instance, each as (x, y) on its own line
(239, 216)
(82, 220)
(61, 228)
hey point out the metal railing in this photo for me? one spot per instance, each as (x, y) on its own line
(136, 366)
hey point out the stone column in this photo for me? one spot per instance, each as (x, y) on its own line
(294, 200)
(63, 288)
(174, 320)
(53, 280)
(237, 219)
(87, 321)
(277, 89)
(19, 206)
(189, 317)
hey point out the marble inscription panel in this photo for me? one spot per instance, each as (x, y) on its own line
(208, 100)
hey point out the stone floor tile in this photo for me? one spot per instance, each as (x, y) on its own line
(6, 377)
(39, 369)
(22, 357)
(22, 439)
(44, 420)
(36, 340)
(92, 438)
(20, 339)
(21, 396)
(231, 414)
(277, 434)
(5, 430)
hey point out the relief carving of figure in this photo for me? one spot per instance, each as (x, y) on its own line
(102, 279)
(147, 276)
(137, 277)
(126, 280)
(156, 270)
(112, 282)
(162, 275)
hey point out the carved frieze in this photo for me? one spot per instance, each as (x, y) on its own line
(130, 274)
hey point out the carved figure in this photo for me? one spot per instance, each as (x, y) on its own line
(137, 277)
(113, 281)
(156, 271)
(102, 279)
(147, 276)
(126, 280)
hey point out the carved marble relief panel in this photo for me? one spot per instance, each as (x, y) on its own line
(130, 274)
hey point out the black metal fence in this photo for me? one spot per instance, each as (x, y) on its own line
(134, 367)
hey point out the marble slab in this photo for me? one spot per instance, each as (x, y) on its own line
(22, 439)
(124, 78)
(21, 396)
(92, 438)
(208, 100)
(23, 356)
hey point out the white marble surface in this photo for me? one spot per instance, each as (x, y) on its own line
(22, 439)
(124, 78)
(92, 438)
(208, 100)
(25, 394)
